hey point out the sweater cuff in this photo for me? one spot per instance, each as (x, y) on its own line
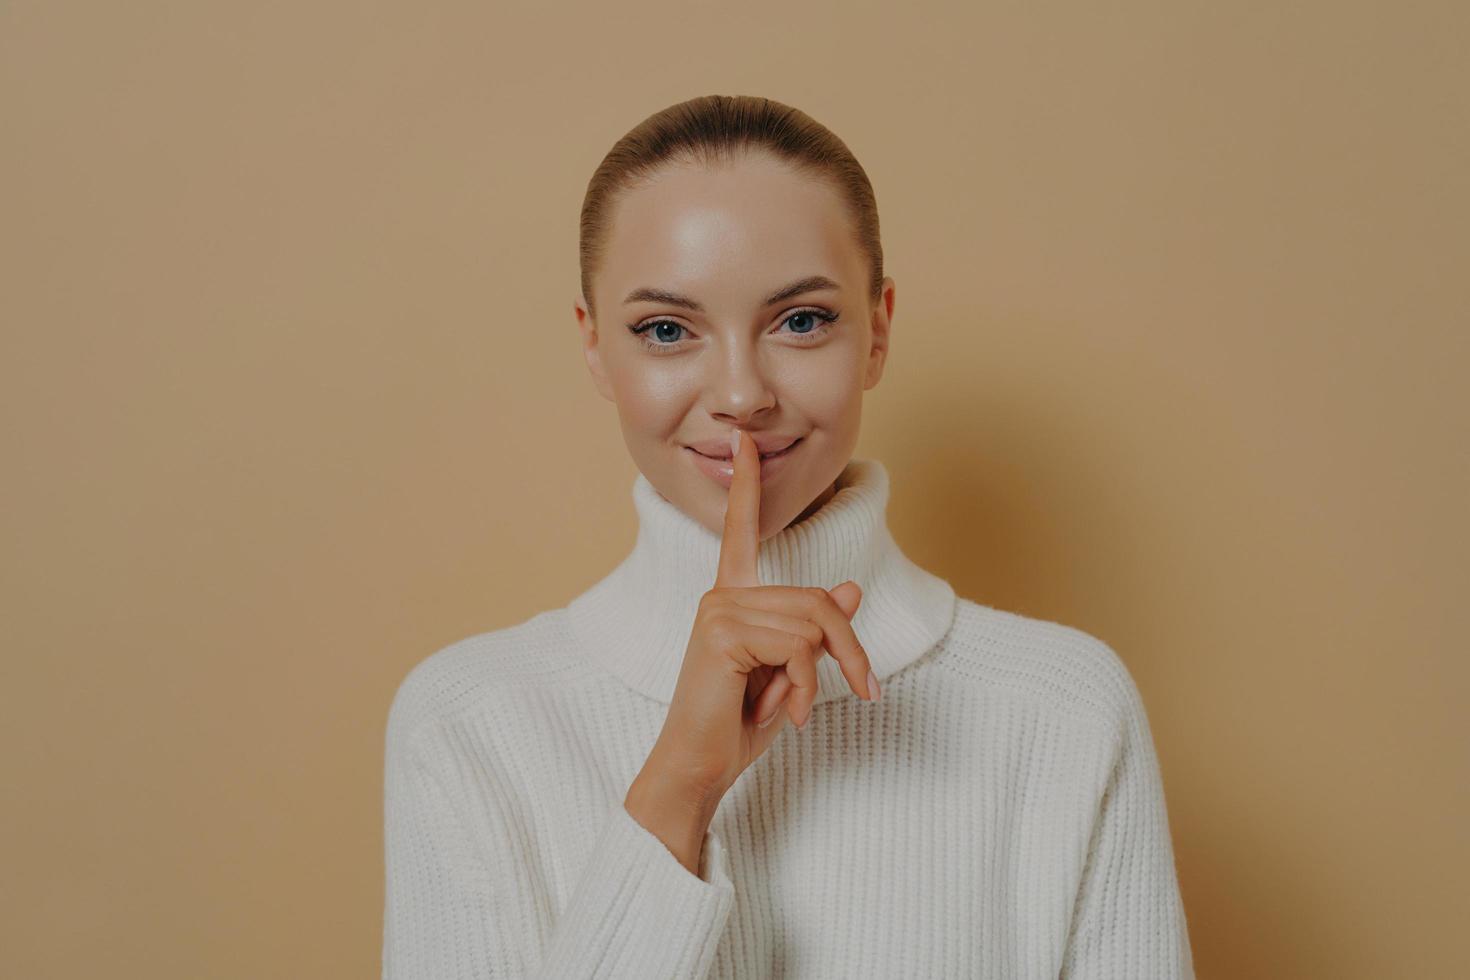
(637, 911)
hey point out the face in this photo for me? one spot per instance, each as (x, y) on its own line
(749, 298)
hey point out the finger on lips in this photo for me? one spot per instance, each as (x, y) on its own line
(811, 613)
(740, 543)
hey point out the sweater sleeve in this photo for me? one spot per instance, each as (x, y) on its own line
(463, 906)
(1128, 922)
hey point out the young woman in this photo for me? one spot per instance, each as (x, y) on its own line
(962, 791)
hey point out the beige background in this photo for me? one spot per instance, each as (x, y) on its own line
(292, 398)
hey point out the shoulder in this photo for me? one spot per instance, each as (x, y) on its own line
(1066, 669)
(463, 674)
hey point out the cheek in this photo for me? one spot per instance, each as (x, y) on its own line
(651, 399)
(827, 394)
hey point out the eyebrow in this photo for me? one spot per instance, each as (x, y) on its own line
(807, 284)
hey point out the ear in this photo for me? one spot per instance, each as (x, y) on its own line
(882, 324)
(591, 352)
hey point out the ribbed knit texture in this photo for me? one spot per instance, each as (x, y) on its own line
(999, 813)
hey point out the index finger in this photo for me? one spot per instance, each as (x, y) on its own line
(740, 544)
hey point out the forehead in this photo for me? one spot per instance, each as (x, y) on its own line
(727, 235)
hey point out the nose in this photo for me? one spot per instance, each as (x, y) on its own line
(737, 389)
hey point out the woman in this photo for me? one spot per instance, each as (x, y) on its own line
(962, 791)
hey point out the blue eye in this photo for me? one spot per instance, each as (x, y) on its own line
(817, 320)
(816, 323)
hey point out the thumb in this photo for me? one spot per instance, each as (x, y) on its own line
(848, 596)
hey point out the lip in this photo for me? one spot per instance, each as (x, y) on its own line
(765, 442)
(722, 471)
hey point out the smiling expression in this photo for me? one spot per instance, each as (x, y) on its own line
(736, 297)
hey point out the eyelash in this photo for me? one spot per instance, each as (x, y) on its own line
(827, 318)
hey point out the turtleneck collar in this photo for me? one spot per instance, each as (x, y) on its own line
(636, 621)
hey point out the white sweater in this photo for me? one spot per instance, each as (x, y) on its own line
(998, 813)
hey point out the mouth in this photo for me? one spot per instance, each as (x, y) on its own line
(764, 456)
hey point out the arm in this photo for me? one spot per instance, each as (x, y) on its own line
(1128, 921)
(463, 906)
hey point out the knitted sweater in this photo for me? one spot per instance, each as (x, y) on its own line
(997, 813)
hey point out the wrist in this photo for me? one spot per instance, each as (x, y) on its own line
(675, 812)
(678, 785)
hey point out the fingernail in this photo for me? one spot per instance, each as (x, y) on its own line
(770, 716)
(873, 691)
(734, 440)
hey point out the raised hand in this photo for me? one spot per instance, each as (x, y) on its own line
(752, 648)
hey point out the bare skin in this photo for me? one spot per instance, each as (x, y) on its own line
(690, 347)
(753, 651)
(726, 239)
